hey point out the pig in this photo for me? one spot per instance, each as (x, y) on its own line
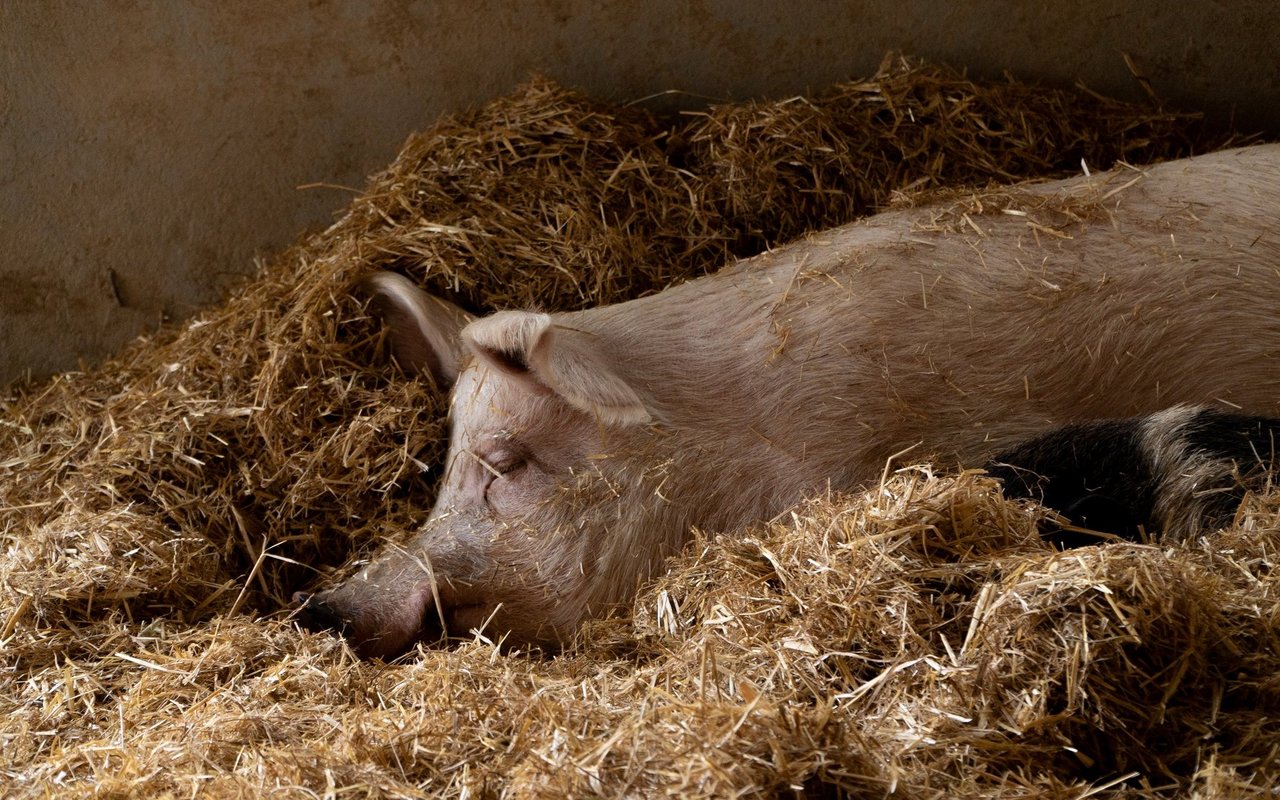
(585, 446)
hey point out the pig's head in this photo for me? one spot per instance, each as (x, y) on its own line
(550, 508)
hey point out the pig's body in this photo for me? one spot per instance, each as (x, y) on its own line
(727, 399)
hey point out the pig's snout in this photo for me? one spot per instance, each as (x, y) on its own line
(374, 625)
(384, 624)
(315, 614)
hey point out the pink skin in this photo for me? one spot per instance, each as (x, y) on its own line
(497, 553)
(584, 446)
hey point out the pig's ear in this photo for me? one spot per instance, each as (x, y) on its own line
(424, 330)
(548, 358)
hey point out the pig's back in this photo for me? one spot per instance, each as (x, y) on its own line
(1167, 291)
(969, 325)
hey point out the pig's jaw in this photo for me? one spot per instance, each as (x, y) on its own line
(534, 583)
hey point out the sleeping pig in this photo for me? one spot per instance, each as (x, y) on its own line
(585, 445)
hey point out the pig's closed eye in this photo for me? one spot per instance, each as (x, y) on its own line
(498, 464)
(506, 464)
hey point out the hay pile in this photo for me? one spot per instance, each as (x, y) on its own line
(919, 639)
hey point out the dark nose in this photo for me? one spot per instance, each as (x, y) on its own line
(316, 615)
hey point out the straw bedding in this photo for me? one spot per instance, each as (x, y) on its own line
(915, 640)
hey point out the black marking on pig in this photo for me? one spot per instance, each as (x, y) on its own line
(1133, 476)
(1248, 441)
(1244, 446)
(1095, 474)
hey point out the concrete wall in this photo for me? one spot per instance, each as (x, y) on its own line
(149, 149)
